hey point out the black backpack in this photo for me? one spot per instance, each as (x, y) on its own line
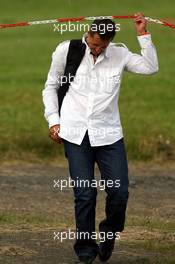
(74, 57)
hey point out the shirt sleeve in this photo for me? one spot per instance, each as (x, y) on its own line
(147, 62)
(53, 82)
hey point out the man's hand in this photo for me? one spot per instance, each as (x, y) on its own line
(53, 134)
(140, 24)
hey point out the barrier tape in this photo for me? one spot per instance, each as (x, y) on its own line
(82, 18)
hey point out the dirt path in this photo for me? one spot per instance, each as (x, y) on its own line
(31, 210)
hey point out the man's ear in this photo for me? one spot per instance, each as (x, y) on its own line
(89, 35)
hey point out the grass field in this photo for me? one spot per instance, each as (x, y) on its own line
(146, 103)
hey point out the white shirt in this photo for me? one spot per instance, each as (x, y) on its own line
(91, 102)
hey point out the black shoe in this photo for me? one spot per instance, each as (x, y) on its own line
(86, 259)
(105, 249)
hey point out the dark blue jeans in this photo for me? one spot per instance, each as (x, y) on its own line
(112, 163)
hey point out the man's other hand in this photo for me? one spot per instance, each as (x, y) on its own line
(140, 24)
(53, 134)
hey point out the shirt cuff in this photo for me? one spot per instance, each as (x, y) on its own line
(53, 119)
(144, 40)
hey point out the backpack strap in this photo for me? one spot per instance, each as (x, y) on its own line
(74, 57)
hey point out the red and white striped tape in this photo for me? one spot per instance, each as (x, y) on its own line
(82, 18)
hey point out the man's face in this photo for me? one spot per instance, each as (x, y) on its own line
(96, 44)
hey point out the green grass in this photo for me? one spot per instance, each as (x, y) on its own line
(146, 102)
(150, 223)
(32, 219)
(147, 223)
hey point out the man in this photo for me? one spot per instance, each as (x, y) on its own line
(89, 126)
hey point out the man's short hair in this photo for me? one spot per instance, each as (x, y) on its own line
(104, 27)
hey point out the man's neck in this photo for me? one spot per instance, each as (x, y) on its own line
(94, 57)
